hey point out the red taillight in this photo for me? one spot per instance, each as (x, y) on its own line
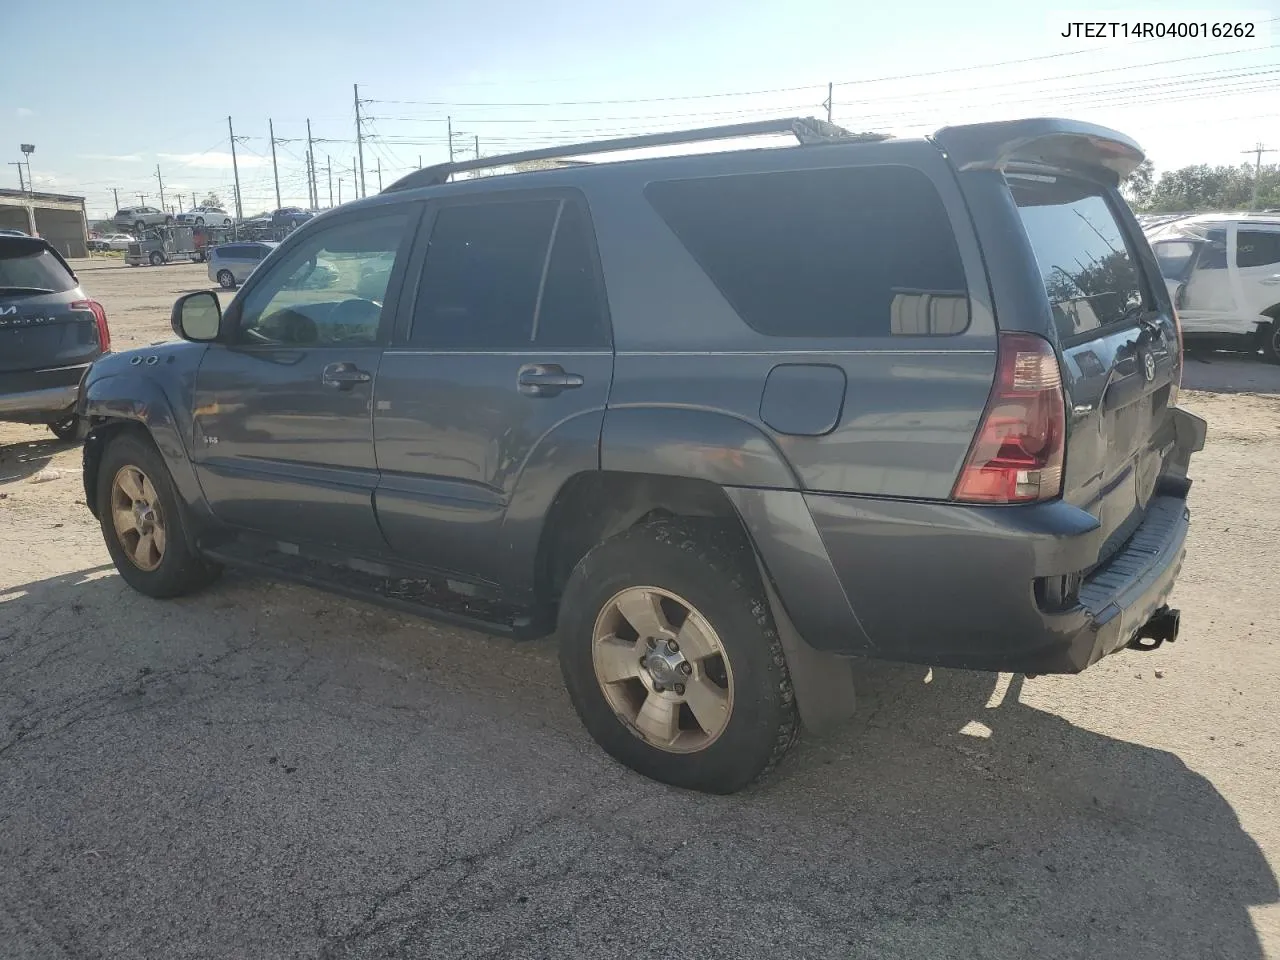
(1016, 455)
(99, 319)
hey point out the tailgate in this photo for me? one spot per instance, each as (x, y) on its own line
(1118, 344)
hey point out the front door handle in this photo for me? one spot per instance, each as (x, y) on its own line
(344, 375)
(546, 379)
(1272, 280)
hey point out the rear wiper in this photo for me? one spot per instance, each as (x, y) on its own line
(23, 291)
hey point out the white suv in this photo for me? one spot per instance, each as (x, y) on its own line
(1223, 273)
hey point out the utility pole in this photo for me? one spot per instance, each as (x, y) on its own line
(829, 103)
(116, 193)
(477, 146)
(379, 174)
(311, 170)
(22, 183)
(142, 198)
(1259, 149)
(271, 132)
(419, 161)
(359, 140)
(235, 169)
(328, 165)
(339, 191)
(450, 122)
(161, 182)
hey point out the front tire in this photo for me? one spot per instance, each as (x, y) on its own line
(143, 522)
(156, 258)
(226, 279)
(70, 429)
(671, 657)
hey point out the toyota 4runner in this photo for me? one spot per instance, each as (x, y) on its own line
(725, 421)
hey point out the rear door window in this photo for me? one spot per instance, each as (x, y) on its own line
(1089, 273)
(27, 265)
(511, 275)
(1257, 248)
(845, 252)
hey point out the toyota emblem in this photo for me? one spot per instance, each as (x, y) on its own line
(1149, 367)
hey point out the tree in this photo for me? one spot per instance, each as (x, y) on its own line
(212, 200)
(1137, 186)
(1201, 187)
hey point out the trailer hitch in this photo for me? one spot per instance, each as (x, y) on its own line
(1162, 626)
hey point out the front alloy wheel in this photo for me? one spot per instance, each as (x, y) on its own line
(138, 518)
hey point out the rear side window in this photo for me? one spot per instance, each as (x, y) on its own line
(848, 252)
(1088, 271)
(28, 265)
(1257, 248)
(509, 275)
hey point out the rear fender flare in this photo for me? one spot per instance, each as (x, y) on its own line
(698, 444)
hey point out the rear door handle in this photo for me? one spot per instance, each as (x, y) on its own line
(1272, 280)
(546, 379)
(344, 375)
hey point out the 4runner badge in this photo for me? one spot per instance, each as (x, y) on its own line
(1148, 367)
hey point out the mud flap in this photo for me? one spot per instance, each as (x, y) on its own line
(823, 682)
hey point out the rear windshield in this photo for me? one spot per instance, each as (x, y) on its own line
(1088, 271)
(1174, 257)
(28, 265)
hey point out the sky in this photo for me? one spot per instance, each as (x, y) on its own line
(108, 92)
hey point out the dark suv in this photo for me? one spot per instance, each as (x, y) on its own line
(726, 420)
(50, 332)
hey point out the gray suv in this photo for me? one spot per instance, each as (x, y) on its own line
(726, 422)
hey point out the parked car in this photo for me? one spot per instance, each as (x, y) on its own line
(231, 263)
(1223, 273)
(213, 216)
(50, 331)
(290, 216)
(110, 241)
(139, 218)
(721, 420)
(8, 232)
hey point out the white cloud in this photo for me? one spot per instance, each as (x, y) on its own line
(46, 180)
(25, 112)
(122, 158)
(213, 160)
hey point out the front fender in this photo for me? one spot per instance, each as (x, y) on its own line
(113, 400)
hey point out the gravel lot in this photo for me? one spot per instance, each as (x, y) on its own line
(267, 771)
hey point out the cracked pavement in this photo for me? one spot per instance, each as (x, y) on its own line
(267, 771)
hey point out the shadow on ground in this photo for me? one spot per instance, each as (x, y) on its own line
(267, 771)
(24, 458)
(1224, 372)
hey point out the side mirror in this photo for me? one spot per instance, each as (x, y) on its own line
(197, 317)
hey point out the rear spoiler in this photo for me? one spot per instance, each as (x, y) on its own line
(1066, 145)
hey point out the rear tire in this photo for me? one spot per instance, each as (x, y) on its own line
(165, 566)
(70, 429)
(199, 221)
(156, 258)
(708, 569)
(1271, 341)
(139, 225)
(226, 279)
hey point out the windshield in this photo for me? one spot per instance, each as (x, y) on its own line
(1088, 271)
(27, 264)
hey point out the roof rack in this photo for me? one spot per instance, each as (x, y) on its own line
(806, 130)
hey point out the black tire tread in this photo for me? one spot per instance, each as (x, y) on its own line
(721, 547)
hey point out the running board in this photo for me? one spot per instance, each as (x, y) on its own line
(405, 594)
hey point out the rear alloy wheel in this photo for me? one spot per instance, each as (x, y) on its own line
(143, 523)
(156, 258)
(226, 222)
(226, 279)
(199, 221)
(671, 657)
(139, 225)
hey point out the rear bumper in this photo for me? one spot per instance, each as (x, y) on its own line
(40, 396)
(948, 584)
